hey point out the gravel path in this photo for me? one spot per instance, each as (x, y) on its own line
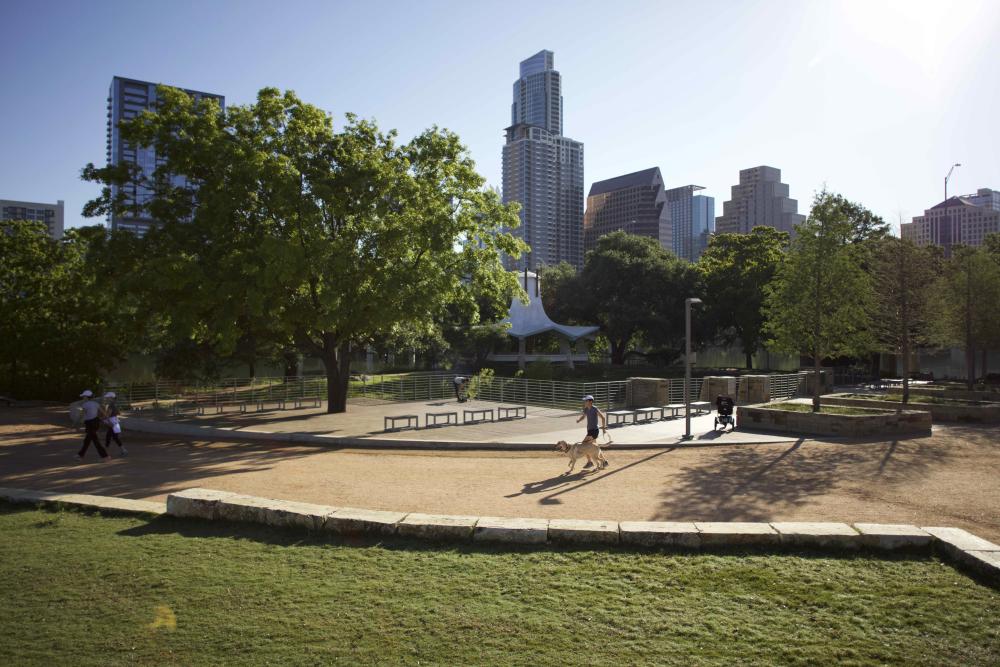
(949, 478)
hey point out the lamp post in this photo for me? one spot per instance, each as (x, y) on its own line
(687, 365)
(957, 164)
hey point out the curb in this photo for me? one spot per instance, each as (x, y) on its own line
(956, 545)
(108, 504)
(245, 435)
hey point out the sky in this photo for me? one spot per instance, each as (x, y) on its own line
(874, 99)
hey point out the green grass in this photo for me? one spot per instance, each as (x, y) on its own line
(824, 409)
(89, 590)
(914, 398)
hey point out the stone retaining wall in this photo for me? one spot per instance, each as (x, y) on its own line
(974, 414)
(958, 394)
(960, 546)
(879, 422)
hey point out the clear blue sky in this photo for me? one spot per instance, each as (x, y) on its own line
(873, 98)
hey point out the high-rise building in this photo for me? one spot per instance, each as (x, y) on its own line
(127, 98)
(543, 170)
(962, 220)
(692, 220)
(50, 214)
(633, 203)
(760, 200)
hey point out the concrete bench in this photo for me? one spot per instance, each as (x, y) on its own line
(409, 421)
(701, 407)
(181, 408)
(516, 412)
(221, 406)
(473, 419)
(313, 402)
(675, 409)
(616, 417)
(647, 414)
(279, 403)
(432, 419)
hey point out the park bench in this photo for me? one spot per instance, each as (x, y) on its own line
(700, 407)
(410, 421)
(617, 417)
(516, 412)
(674, 408)
(220, 406)
(481, 412)
(278, 403)
(313, 402)
(647, 414)
(179, 408)
(432, 419)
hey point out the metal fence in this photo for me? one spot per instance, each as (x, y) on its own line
(413, 387)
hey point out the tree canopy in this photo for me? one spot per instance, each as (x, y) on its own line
(291, 231)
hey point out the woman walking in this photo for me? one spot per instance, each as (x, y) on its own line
(89, 409)
(109, 415)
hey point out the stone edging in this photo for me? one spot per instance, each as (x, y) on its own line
(955, 544)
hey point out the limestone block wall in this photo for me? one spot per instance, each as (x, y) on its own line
(648, 392)
(808, 382)
(879, 422)
(712, 387)
(987, 413)
(754, 389)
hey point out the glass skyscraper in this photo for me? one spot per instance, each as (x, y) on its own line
(543, 170)
(693, 221)
(127, 98)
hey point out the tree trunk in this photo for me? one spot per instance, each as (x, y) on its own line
(749, 356)
(618, 352)
(984, 355)
(291, 364)
(816, 373)
(970, 351)
(337, 362)
(906, 371)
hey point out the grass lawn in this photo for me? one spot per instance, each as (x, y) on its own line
(926, 400)
(89, 590)
(825, 409)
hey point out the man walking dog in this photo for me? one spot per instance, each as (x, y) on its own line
(592, 413)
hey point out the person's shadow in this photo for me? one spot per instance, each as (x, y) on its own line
(548, 484)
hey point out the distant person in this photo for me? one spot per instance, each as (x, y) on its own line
(592, 413)
(90, 412)
(109, 415)
(461, 385)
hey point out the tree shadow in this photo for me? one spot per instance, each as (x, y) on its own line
(749, 483)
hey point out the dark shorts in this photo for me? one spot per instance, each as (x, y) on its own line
(593, 432)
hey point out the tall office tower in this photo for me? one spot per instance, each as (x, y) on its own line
(127, 98)
(633, 203)
(693, 221)
(962, 220)
(50, 214)
(760, 199)
(543, 170)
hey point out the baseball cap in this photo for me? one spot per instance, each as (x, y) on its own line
(86, 393)
(588, 397)
(110, 394)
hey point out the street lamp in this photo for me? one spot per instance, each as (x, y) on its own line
(687, 366)
(957, 164)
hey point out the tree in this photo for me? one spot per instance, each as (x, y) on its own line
(736, 269)
(905, 274)
(966, 298)
(631, 286)
(561, 290)
(820, 299)
(333, 238)
(59, 329)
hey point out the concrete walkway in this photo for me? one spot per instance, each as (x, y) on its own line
(362, 425)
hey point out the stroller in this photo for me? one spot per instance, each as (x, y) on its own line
(724, 407)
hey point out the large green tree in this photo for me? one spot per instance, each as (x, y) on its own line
(632, 287)
(736, 269)
(59, 328)
(819, 302)
(329, 239)
(903, 315)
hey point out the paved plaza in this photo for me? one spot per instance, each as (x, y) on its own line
(543, 427)
(950, 478)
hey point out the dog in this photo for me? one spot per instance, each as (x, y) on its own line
(588, 448)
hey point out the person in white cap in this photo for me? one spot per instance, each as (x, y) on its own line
(109, 415)
(592, 413)
(91, 423)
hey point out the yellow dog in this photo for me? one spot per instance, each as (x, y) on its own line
(588, 448)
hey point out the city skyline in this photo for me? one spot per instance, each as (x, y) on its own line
(921, 72)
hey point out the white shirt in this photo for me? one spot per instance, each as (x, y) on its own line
(90, 408)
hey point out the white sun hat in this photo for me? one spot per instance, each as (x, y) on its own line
(86, 393)
(110, 394)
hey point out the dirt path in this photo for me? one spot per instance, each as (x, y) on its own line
(950, 478)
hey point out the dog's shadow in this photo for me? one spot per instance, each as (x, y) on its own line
(549, 484)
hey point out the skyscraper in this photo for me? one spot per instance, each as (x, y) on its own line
(693, 221)
(633, 203)
(50, 214)
(543, 170)
(127, 98)
(962, 220)
(760, 200)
